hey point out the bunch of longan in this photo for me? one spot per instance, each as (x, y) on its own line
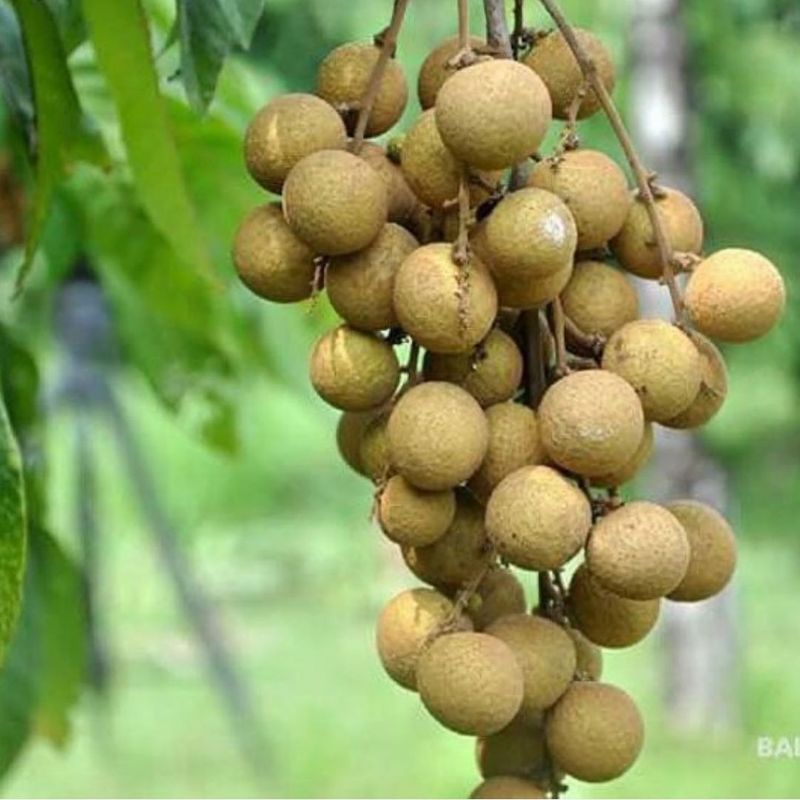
(426, 241)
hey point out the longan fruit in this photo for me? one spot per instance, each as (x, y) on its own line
(518, 750)
(589, 656)
(626, 473)
(526, 293)
(402, 201)
(349, 431)
(373, 451)
(285, 131)
(499, 593)
(508, 787)
(735, 295)
(412, 516)
(342, 80)
(594, 189)
(519, 118)
(435, 69)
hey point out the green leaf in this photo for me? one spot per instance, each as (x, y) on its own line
(122, 44)
(14, 78)
(68, 17)
(243, 17)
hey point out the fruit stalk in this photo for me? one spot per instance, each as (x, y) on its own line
(641, 174)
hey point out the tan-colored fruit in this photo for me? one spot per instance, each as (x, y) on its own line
(470, 682)
(335, 202)
(713, 386)
(514, 442)
(373, 451)
(546, 655)
(599, 299)
(407, 624)
(552, 59)
(521, 114)
(589, 656)
(595, 732)
(507, 786)
(635, 245)
(458, 556)
(438, 435)
(414, 517)
(491, 375)
(537, 519)
(354, 371)
(660, 362)
(594, 188)
(342, 80)
(435, 69)
(591, 422)
(735, 295)
(617, 478)
(528, 293)
(432, 171)
(518, 750)
(499, 593)
(639, 551)
(361, 285)
(270, 260)
(444, 307)
(402, 201)
(713, 550)
(606, 618)
(349, 432)
(530, 235)
(286, 130)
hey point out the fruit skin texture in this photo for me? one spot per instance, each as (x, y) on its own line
(445, 308)
(606, 618)
(552, 59)
(526, 293)
(349, 430)
(270, 260)
(594, 188)
(491, 375)
(599, 299)
(514, 442)
(458, 556)
(713, 386)
(595, 732)
(546, 655)
(589, 664)
(353, 371)
(342, 79)
(402, 201)
(530, 234)
(518, 750)
(640, 551)
(661, 364)
(521, 114)
(507, 786)
(435, 71)
(500, 593)
(286, 130)
(635, 246)
(537, 519)
(373, 451)
(620, 476)
(470, 682)
(591, 422)
(405, 626)
(411, 516)
(713, 551)
(735, 295)
(361, 285)
(335, 202)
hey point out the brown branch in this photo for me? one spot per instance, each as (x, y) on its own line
(497, 36)
(533, 351)
(518, 33)
(642, 175)
(388, 44)
(591, 343)
(461, 244)
(559, 324)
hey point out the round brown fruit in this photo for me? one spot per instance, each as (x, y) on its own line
(349, 431)
(436, 69)
(595, 732)
(591, 422)
(414, 517)
(499, 593)
(286, 130)
(270, 260)
(660, 362)
(470, 682)
(635, 245)
(402, 201)
(713, 551)
(589, 656)
(611, 480)
(518, 750)
(373, 452)
(444, 307)
(537, 519)
(335, 202)
(361, 285)
(526, 293)
(519, 118)
(508, 786)
(342, 80)
(735, 296)
(594, 188)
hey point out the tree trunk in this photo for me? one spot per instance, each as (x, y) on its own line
(700, 641)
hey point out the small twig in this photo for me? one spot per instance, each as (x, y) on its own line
(461, 244)
(465, 55)
(557, 311)
(497, 36)
(518, 34)
(591, 343)
(533, 350)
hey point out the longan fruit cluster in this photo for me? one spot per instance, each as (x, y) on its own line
(425, 245)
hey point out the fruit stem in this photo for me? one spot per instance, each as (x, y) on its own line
(497, 36)
(519, 29)
(641, 174)
(388, 40)
(591, 343)
(461, 244)
(559, 325)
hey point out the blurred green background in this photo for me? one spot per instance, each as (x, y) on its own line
(278, 528)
